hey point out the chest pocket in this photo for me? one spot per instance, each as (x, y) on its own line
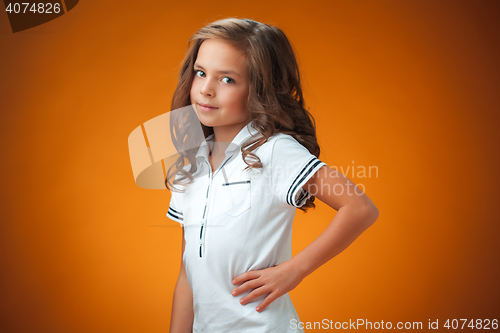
(236, 196)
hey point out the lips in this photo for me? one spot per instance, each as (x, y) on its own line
(207, 107)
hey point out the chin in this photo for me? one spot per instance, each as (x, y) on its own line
(206, 121)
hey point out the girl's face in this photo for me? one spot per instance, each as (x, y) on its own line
(221, 83)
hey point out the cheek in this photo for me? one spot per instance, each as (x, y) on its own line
(238, 99)
(195, 88)
(243, 100)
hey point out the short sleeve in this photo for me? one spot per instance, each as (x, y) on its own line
(292, 166)
(175, 208)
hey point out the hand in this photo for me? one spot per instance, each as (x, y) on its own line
(275, 281)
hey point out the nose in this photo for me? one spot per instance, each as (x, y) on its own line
(207, 89)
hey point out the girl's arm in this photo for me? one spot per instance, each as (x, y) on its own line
(355, 213)
(182, 306)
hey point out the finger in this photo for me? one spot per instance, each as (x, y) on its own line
(254, 294)
(245, 276)
(268, 300)
(247, 285)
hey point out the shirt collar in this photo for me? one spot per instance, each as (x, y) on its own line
(245, 133)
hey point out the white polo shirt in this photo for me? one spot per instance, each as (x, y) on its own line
(237, 221)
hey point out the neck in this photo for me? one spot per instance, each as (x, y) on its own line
(224, 135)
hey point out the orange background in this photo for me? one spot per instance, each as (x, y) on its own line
(411, 87)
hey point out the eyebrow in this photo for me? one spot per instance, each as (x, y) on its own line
(224, 72)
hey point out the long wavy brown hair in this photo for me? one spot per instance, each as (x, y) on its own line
(275, 102)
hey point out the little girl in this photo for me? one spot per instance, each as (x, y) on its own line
(257, 164)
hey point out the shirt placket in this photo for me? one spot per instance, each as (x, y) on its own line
(203, 227)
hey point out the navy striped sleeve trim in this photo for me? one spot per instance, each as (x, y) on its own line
(304, 195)
(175, 215)
(307, 172)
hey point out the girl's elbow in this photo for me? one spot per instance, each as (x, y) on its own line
(371, 213)
(375, 214)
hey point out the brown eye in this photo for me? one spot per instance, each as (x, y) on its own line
(232, 81)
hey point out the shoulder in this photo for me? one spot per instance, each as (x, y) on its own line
(286, 145)
(280, 139)
(266, 150)
(288, 152)
(280, 147)
(280, 144)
